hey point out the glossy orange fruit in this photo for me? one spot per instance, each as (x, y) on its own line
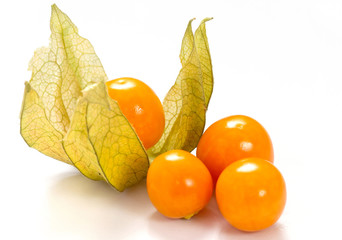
(178, 184)
(141, 106)
(231, 139)
(251, 194)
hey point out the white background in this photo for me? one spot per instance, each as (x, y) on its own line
(279, 62)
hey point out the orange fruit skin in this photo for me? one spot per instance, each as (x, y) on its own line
(231, 139)
(178, 184)
(251, 194)
(141, 106)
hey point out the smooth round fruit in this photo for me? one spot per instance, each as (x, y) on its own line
(251, 194)
(231, 139)
(178, 184)
(141, 106)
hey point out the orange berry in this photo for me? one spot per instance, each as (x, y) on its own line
(141, 106)
(251, 194)
(178, 184)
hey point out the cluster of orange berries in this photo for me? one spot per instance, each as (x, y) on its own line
(234, 158)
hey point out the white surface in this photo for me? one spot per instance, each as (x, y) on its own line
(277, 61)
